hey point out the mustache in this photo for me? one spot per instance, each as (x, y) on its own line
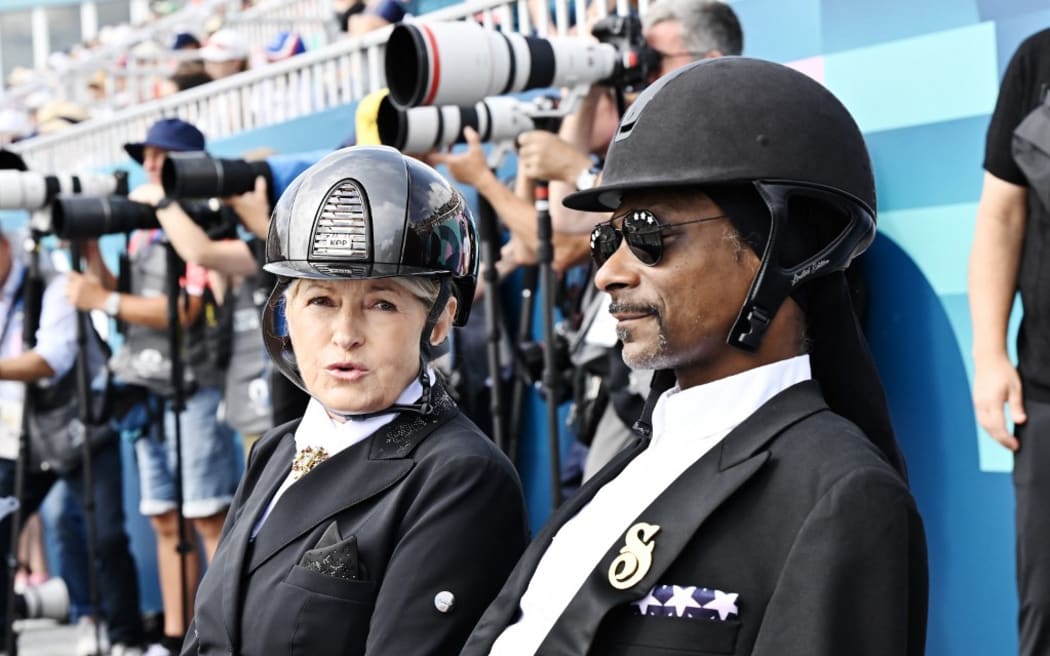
(632, 308)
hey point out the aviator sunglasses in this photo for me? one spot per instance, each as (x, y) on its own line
(643, 233)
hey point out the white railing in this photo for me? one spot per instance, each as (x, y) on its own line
(142, 58)
(335, 75)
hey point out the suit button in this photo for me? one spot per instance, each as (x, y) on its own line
(444, 601)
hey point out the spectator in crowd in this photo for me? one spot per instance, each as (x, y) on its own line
(1008, 255)
(209, 458)
(185, 41)
(765, 510)
(349, 503)
(48, 373)
(226, 53)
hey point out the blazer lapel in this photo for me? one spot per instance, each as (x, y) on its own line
(274, 470)
(679, 513)
(346, 479)
(504, 607)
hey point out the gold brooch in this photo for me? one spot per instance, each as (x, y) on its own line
(636, 556)
(306, 459)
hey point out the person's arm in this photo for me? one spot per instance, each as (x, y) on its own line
(994, 264)
(469, 167)
(25, 367)
(85, 292)
(96, 266)
(229, 256)
(472, 507)
(855, 580)
(253, 208)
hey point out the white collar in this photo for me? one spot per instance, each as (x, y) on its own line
(719, 406)
(318, 429)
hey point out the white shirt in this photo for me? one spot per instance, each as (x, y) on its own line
(686, 425)
(318, 429)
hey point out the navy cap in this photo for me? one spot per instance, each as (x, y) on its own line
(185, 40)
(170, 134)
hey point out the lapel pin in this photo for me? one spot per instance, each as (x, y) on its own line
(636, 556)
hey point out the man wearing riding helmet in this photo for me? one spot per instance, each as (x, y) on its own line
(383, 521)
(765, 510)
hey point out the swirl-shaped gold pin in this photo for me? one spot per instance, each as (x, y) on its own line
(635, 558)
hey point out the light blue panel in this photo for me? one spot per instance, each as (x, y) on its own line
(1010, 32)
(780, 31)
(930, 164)
(918, 345)
(936, 77)
(1001, 9)
(938, 239)
(849, 24)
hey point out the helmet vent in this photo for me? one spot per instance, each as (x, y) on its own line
(341, 230)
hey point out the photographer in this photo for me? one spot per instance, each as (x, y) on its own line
(56, 434)
(679, 32)
(209, 458)
(241, 288)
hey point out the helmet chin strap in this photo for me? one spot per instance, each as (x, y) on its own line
(427, 351)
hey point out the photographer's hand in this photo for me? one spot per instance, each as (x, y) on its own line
(253, 208)
(149, 194)
(543, 155)
(85, 292)
(469, 166)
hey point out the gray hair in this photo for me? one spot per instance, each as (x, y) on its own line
(707, 25)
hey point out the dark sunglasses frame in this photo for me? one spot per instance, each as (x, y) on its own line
(643, 232)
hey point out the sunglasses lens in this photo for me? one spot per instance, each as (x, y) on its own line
(644, 237)
(604, 242)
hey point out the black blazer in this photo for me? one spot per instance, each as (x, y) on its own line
(795, 511)
(429, 506)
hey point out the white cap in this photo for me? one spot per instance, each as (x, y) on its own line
(225, 45)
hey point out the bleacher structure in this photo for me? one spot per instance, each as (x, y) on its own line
(333, 75)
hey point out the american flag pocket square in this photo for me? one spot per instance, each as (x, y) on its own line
(688, 601)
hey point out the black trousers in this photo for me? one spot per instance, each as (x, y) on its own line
(1032, 490)
(117, 575)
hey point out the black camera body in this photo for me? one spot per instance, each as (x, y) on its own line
(637, 62)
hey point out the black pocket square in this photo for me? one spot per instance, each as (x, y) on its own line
(333, 556)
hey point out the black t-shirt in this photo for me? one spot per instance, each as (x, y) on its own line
(1024, 85)
(1025, 82)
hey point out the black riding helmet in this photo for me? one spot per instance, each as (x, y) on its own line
(788, 164)
(370, 212)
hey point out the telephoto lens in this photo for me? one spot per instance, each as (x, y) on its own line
(27, 190)
(420, 129)
(77, 217)
(197, 175)
(425, 63)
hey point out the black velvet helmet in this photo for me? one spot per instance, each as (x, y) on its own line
(739, 121)
(785, 161)
(369, 212)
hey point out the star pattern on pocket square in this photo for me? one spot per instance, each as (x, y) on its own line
(687, 601)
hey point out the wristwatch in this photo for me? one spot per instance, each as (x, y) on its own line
(587, 178)
(163, 203)
(112, 305)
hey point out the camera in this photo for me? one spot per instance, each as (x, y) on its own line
(458, 63)
(531, 360)
(27, 190)
(77, 217)
(420, 129)
(198, 175)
